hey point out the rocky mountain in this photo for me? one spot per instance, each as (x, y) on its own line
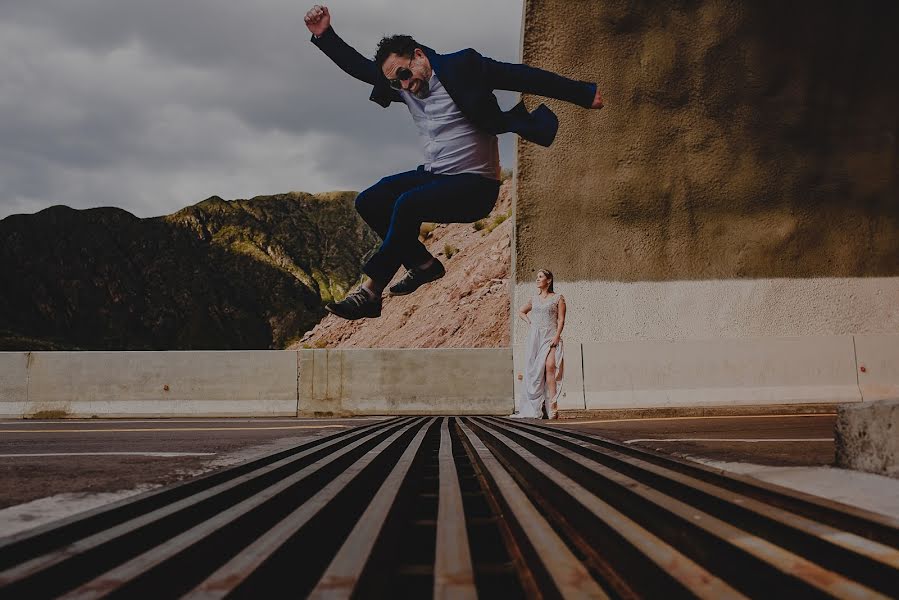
(241, 274)
(467, 308)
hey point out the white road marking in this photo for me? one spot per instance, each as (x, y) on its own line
(729, 440)
(199, 420)
(154, 454)
(567, 422)
(174, 429)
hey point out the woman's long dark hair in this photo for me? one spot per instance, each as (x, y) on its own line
(549, 275)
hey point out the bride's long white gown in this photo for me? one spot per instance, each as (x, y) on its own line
(532, 391)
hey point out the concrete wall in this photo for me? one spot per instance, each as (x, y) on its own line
(741, 182)
(866, 439)
(598, 376)
(406, 381)
(727, 373)
(13, 383)
(111, 384)
(878, 364)
(255, 383)
(720, 372)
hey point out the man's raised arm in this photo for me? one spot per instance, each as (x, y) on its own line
(531, 80)
(318, 21)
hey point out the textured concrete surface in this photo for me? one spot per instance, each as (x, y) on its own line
(405, 381)
(878, 365)
(13, 383)
(732, 308)
(719, 372)
(223, 383)
(867, 437)
(742, 180)
(261, 383)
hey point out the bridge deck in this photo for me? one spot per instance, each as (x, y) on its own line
(418, 506)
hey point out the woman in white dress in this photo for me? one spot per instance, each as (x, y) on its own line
(542, 382)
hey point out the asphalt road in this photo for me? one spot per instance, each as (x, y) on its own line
(44, 458)
(777, 440)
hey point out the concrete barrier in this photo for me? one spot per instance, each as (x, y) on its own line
(725, 372)
(878, 366)
(162, 384)
(13, 383)
(599, 376)
(572, 397)
(867, 437)
(405, 381)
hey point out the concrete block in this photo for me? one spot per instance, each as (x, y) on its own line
(13, 380)
(866, 437)
(719, 372)
(572, 397)
(163, 384)
(406, 381)
(878, 366)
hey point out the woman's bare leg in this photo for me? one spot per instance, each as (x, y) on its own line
(551, 383)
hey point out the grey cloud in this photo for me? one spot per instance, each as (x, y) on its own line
(154, 105)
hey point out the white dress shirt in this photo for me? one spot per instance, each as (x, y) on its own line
(452, 144)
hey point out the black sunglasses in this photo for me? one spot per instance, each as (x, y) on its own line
(402, 74)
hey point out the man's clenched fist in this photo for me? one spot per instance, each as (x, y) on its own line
(318, 19)
(597, 99)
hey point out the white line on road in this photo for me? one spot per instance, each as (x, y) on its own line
(173, 429)
(154, 454)
(729, 440)
(198, 420)
(566, 422)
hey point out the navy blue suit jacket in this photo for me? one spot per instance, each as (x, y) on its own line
(470, 79)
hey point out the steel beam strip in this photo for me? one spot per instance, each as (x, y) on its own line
(788, 563)
(867, 524)
(693, 577)
(125, 573)
(342, 576)
(453, 571)
(879, 567)
(233, 573)
(64, 531)
(572, 511)
(43, 562)
(571, 578)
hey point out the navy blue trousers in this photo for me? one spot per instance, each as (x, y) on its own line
(396, 206)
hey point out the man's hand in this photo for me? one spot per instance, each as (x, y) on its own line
(318, 19)
(597, 100)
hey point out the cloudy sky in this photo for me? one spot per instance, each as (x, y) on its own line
(152, 105)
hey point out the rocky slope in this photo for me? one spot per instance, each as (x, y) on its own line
(242, 274)
(467, 308)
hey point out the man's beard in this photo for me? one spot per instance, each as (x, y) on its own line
(423, 91)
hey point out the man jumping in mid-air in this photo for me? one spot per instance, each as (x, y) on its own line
(458, 118)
